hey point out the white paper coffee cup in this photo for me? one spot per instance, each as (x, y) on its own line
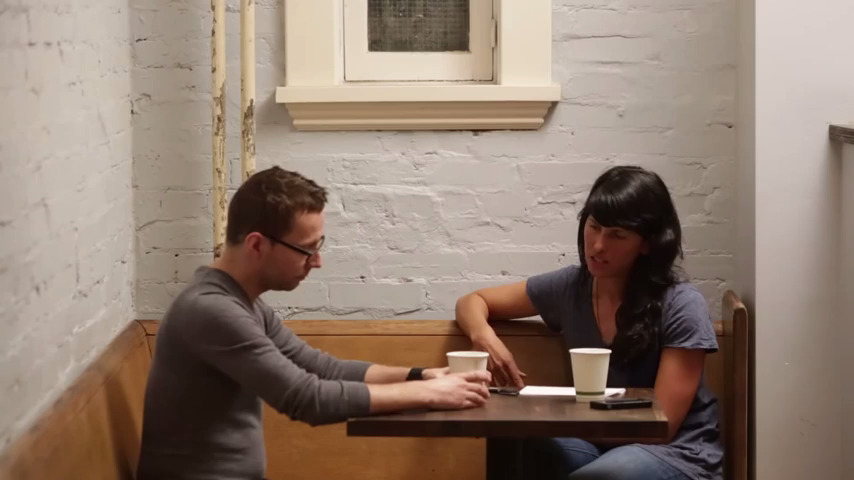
(590, 372)
(467, 361)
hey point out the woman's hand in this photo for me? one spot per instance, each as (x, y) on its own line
(501, 362)
(475, 310)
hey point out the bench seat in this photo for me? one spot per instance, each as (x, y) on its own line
(93, 430)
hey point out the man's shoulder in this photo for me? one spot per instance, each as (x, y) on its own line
(202, 302)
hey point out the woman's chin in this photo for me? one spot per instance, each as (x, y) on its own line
(597, 269)
(602, 272)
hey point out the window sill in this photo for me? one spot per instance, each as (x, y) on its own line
(418, 107)
(842, 133)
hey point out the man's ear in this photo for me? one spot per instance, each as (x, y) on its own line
(255, 243)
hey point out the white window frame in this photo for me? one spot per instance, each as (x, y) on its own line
(360, 64)
(319, 98)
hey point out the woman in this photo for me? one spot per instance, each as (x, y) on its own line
(626, 295)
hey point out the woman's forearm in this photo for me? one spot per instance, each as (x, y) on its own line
(472, 315)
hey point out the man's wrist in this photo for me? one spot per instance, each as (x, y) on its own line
(415, 373)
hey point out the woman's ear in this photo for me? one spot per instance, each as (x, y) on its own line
(644, 249)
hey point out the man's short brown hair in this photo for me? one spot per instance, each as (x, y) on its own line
(269, 201)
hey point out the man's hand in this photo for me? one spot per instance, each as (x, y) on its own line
(501, 362)
(431, 373)
(448, 392)
(457, 390)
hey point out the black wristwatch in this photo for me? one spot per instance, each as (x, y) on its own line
(415, 373)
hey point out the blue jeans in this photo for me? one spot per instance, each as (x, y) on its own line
(576, 459)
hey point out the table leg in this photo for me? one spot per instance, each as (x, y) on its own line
(504, 459)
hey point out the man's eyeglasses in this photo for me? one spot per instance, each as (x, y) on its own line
(308, 253)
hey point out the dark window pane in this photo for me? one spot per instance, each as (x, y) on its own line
(418, 25)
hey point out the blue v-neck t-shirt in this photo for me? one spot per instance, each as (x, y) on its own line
(566, 307)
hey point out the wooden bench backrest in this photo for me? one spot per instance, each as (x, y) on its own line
(298, 451)
(727, 375)
(93, 430)
(424, 343)
(408, 343)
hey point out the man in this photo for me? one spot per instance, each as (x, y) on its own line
(221, 350)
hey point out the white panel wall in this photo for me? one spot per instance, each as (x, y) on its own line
(801, 85)
(847, 314)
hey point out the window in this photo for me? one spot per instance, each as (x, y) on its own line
(418, 64)
(418, 40)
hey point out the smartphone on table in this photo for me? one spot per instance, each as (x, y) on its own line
(512, 391)
(621, 403)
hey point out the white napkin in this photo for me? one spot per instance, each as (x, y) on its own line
(563, 391)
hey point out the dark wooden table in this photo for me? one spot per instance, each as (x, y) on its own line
(507, 417)
(522, 416)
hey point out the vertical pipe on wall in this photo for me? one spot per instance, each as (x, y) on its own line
(247, 87)
(218, 123)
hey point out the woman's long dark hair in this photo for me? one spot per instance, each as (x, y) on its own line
(638, 200)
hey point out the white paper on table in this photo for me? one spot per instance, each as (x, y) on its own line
(563, 391)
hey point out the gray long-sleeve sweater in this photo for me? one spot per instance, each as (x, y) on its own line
(217, 357)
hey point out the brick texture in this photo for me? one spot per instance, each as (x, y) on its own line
(105, 170)
(66, 220)
(416, 219)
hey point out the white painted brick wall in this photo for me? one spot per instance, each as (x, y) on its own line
(417, 219)
(66, 224)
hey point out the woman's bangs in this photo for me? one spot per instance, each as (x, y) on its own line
(613, 210)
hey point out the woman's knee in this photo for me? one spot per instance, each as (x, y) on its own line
(629, 462)
(562, 456)
(575, 447)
